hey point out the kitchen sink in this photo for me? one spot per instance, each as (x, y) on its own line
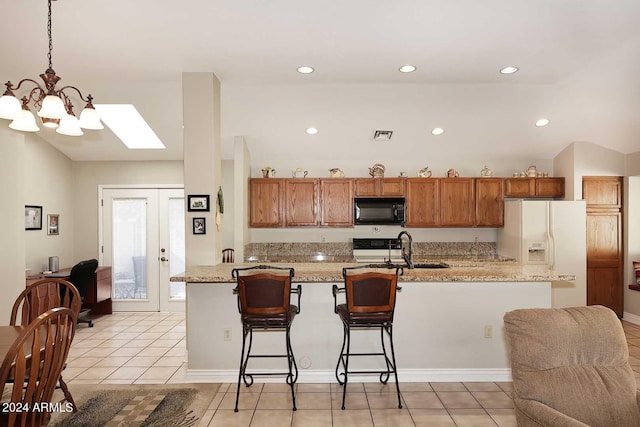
(431, 265)
(415, 266)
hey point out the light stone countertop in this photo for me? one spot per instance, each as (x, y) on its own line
(322, 272)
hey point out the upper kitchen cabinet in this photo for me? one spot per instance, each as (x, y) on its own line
(300, 201)
(457, 202)
(266, 197)
(379, 187)
(336, 202)
(423, 207)
(534, 187)
(489, 202)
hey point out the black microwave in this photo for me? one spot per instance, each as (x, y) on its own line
(378, 210)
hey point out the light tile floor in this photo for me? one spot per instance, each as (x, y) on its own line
(143, 348)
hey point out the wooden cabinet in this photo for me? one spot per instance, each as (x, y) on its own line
(336, 202)
(457, 202)
(266, 202)
(605, 258)
(379, 187)
(489, 202)
(550, 187)
(423, 206)
(534, 187)
(301, 202)
(602, 192)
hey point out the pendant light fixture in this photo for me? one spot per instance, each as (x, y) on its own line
(55, 107)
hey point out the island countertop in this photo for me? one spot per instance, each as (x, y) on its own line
(322, 272)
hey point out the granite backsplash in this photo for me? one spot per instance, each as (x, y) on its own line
(342, 252)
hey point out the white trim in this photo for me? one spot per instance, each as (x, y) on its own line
(102, 187)
(631, 318)
(328, 376)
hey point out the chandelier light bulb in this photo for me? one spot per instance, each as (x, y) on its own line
(26, 122)
(89, 119)
(52, 108)
(70, 126)
(10, 107)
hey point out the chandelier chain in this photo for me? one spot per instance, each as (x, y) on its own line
(49, 34)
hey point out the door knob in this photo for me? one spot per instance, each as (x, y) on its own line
(164, 259)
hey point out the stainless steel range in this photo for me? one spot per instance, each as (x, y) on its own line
(377, 250)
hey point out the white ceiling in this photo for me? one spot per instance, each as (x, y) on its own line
(124, 51)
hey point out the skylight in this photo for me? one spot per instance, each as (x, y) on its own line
(128, 125)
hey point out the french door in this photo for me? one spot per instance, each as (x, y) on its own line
(143, 241)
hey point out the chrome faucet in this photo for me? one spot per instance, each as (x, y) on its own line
(408, 257)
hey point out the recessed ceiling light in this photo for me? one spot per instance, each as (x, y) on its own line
(509, 70)
(407, 69)
(542, 122)
(437, 131)
(312, 131)
(128, 125)
(305, 70)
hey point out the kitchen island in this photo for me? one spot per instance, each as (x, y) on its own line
(448, 322)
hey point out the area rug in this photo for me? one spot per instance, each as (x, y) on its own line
(161, 405)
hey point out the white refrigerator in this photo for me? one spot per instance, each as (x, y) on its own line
(549, 233)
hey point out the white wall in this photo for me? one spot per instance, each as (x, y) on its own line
(49, 183)
(594, 160)
(564, 165)
(226, 236)
(87, 176)
(273, 120)
(632, 244)
(202, 171)
(12, 242)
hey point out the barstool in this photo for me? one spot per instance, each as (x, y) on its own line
(370, 304)
(264, 305)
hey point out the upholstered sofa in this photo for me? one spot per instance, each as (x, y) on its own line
(571, 368)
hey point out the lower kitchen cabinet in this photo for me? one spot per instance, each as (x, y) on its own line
(457, 202)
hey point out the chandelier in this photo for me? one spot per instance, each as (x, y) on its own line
(55, 107)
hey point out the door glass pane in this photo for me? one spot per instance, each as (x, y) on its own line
(129, 248)
(176, 247)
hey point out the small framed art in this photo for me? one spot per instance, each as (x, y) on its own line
(32, 217)
(53, 221)
(198, 203)
(199, 226)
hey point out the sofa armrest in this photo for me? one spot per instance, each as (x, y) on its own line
(540, 414)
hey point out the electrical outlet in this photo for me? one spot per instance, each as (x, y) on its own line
(376, 230)
(475, 239)
(488, 331)
(323, 239)
(227, 334)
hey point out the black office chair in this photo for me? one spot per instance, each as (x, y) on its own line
(370, 305)
(81, 275)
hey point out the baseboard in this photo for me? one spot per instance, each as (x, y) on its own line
(631, 318)
(322, 376)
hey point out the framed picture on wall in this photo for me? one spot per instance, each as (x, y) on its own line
(52, 224)
(198, 203)
(199, 226)
(32, 217)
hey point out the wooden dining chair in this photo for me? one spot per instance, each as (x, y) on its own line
(40, 297)
(33, 365)
(227, 255)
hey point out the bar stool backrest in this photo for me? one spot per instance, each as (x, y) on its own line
(264, 293)
(371, 292)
